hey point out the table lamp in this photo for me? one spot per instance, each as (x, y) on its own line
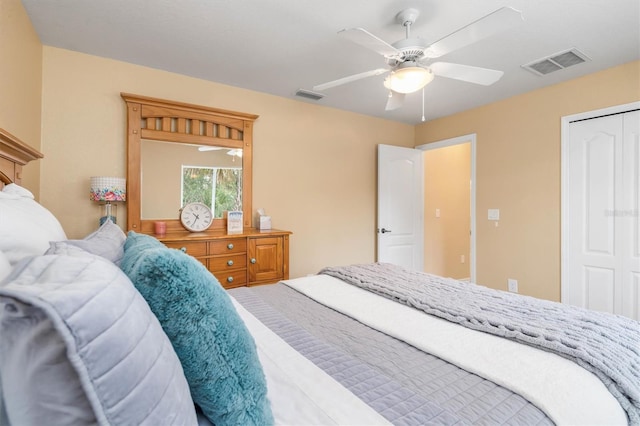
(107, 190)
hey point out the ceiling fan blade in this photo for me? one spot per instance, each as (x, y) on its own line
(209, 148)
(349, 79)
(395, 101)
(366, 39)
(493, 23)
(477, 75)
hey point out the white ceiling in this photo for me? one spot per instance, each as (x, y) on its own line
(280, 46)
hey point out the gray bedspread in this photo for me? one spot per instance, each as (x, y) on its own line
(404, 384)
(607, 345)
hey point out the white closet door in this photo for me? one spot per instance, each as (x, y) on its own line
(630, 215)
(602, 214)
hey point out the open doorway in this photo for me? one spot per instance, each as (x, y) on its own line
(449, 207)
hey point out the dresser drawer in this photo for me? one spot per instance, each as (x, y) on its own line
(195, 249)
(232, 261)
(230, 279)
(232, 245)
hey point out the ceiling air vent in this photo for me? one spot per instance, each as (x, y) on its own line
(309, 94)
(557, 61)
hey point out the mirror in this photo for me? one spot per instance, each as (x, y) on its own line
(186, 173)
(179, 152)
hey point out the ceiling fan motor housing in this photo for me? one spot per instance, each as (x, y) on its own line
(411, 49)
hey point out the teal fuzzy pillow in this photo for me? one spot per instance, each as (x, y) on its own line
(218, 354)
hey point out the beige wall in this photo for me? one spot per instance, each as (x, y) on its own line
(21, 82)
(314, 167)
(518, 171)
(447, 188)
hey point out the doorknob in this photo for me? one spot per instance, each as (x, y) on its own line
(385, 230)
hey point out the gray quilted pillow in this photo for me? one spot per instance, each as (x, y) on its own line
(107, 241)
(80, 345)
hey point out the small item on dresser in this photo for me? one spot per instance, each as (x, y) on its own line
(160, 227)
(264, 221)
(234, 222)
(196, 217)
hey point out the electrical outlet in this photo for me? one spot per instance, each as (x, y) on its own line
(512, 285)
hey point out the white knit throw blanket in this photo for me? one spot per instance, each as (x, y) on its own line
(604, 344)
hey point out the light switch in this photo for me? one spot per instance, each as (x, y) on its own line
(494, 214)
(437, 212)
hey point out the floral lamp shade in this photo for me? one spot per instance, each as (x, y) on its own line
(107, 190)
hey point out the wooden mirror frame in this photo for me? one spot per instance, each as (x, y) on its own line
(162, 120)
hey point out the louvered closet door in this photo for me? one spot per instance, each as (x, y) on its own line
(603, 183)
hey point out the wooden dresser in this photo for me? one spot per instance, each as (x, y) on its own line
(251, 258)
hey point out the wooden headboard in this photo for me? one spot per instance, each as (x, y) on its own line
(13, 155)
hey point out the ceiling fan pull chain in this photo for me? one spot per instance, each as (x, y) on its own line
(423, 119)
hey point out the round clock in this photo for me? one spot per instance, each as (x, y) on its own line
(196, 217)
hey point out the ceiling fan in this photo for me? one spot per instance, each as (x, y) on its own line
(408, 59)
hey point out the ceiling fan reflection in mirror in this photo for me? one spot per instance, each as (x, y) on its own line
(235, 152)
(408, 60)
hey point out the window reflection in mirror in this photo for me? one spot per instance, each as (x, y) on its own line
(220, 188)
(164, 188)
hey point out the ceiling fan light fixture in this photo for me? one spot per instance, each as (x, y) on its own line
(408, 78)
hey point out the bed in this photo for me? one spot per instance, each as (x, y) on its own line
(118, 329)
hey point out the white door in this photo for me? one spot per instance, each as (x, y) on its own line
(629, 217)
(602, 217)
(401, 206)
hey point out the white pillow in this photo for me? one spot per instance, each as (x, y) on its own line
(25, 226)
(17, 190)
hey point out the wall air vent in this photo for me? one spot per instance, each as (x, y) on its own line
(557, 61)
(309, 94)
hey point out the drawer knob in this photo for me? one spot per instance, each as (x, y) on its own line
(230, 246)
(253, 260)
(183, 249)
(230, 262)
(229, 279)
